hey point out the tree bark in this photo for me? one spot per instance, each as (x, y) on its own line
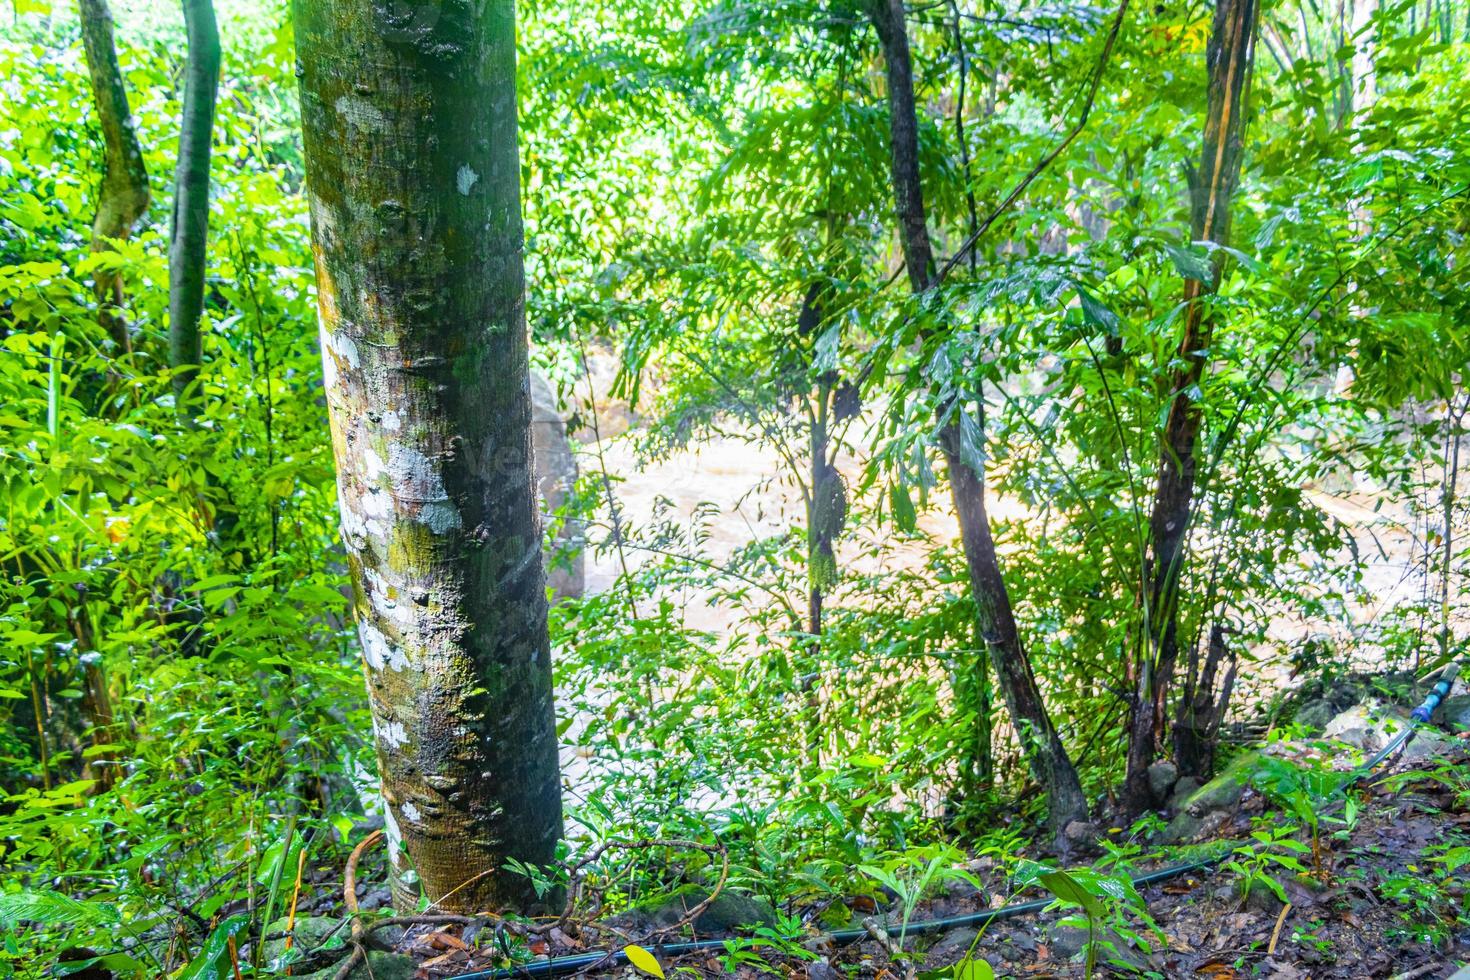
(1043, 748)
(413, 177)
(903, 141)
(123, 196)
(189, 235)
(1229, 57)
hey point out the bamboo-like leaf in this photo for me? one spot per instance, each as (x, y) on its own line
(55, 909)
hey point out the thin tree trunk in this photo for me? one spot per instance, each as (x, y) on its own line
(1043, 748)
(1045, 753)
(123, 196)
(903, 122)
(189, 235)
(1229, 57)
(413, 176)
(1455, 417)
(101, 766)
(826, 517)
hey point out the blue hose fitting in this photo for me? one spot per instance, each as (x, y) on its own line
(1437, 695)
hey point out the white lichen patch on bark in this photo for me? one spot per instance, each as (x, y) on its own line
(393, 734)
(411, 812)
(361, 114)
(465, 179)
(392, 832)
(378, 651)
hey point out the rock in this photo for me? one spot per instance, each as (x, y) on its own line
(821, 970)
(1455, 713)
(1069, 942)
(1162, 776)
(1185, 788)
(376, 898)
(1262, 898)
(728, 912)
(1209, 807)
(311, 932)
(1362, 726)
(379, 966)
(601, 412)
(1369, 727)
(1315, 714)
(1080, 832)
(556, 478)
(952, 947)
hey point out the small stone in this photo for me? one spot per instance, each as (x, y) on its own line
(1162, 776)
(1080, 832)
(961, 890)
(1068, 942)
(821, 970)
(952, 947)
(375, 898)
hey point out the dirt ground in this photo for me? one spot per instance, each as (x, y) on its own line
(1384, 904)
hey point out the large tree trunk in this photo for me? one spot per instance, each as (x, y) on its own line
(413, 175)
(1043, 748)
(123, 197)
(1229, 57)
(189, 236)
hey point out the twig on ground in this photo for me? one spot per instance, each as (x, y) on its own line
(1276, 933)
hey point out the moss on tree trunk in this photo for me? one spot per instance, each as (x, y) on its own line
(413, 176)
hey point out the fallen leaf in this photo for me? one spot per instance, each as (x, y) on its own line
(644, 961)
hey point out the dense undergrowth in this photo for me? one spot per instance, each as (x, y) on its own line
(181, 684)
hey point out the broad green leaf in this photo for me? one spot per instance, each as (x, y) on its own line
(973, 969)
(213, 959)
(1071, 891)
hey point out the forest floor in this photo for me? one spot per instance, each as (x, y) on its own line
(1383, 897)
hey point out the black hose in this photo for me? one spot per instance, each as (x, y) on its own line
(562, 965)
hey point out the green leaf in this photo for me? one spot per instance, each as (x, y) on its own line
(213, 959)
(1095, 314)
(1191, 264)
(972, 444)
(115, 963)
(971, 969)
(1071, 891)
(904, 514)
(55, 909)
(828, 345)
